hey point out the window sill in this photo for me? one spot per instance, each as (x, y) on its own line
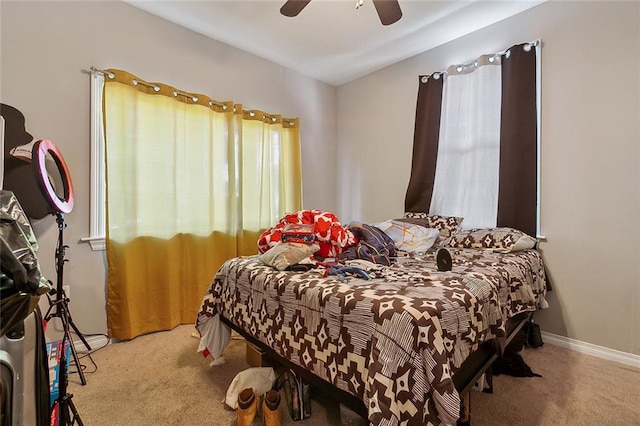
(96, 243)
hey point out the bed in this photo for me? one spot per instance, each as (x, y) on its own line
(404, 344)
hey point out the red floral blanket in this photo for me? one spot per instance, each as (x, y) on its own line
(329, 232)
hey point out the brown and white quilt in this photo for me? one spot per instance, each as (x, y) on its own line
(395, 340)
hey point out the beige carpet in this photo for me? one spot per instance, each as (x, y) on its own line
(159, 379)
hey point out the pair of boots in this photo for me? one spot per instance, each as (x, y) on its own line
(248, 407)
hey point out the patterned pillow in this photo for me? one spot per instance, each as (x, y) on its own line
(409, 237)
(499, 239)
(283, 255)
(447, 225)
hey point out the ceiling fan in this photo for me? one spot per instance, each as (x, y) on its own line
(388, 10)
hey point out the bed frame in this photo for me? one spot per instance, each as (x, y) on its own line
(464, 379)
(241, 313)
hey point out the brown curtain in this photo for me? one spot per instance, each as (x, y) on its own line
(425, 144)
(517, 196)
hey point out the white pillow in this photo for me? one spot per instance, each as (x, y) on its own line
(409, 237)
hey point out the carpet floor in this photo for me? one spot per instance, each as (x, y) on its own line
(159, 379)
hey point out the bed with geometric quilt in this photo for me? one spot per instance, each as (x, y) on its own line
(394, 338)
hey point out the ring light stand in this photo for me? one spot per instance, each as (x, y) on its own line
(68, 415)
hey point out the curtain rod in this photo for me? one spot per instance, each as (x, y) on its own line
(156, 88)
(194, 98)
(99, 71)
(436, 75)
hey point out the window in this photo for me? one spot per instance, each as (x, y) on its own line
(477, 141)
(466, 179)
(257, 161)
(97, 226)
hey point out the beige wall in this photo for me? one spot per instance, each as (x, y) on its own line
(46, 45)
(591, 134)
(590, 159)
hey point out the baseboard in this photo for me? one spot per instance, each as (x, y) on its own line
(94, 341)
(591, 349)
(553, 339)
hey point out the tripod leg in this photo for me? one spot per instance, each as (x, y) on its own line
(63, 414)
(84, 341)
(67, 313)
(66, 322)
(48, 315)
(75, 417)
(74, 354)
(67, 412)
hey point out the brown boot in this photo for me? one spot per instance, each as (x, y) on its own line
(247, 407)
(271, 408)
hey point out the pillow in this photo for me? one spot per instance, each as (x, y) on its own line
(447, 225)
(409, 237)
(283, 255)
(499, 239)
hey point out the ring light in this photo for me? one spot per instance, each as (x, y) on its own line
(39, 153)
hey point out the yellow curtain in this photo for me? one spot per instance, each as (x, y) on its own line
(190, 183)
(271, 181)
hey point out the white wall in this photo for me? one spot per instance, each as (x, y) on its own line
(590, 159)
(44, 48)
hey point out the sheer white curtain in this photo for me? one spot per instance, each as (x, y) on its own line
(476, 141)
(467, 166)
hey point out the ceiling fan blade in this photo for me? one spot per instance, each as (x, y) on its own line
(292, 8)
(388, 11)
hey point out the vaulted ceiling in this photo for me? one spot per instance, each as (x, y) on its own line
(331, 40)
